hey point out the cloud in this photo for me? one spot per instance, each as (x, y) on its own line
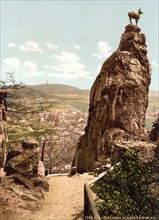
(69, 67)
(30, 46)
(103, 50)
(155, 64)
(77, 47)
(46, 66)
(11, 44)
(25, 69)
(11, 64)
(51, 46)
(29, 69)
(62, 76)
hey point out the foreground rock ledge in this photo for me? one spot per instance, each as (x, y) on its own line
(22, 164)
(23, 187)
(118, 101)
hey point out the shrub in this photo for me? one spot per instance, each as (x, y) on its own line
(155, 130)
(125, 190)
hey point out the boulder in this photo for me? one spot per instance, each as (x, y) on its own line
(147, 152)
(42, 182)
(23, 165)
(18, 178)
(22, 158)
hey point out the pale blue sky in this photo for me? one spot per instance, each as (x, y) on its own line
(66, 42)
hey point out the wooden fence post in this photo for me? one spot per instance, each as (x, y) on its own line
(86, 204)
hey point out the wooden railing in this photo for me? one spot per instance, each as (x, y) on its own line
(90, 210)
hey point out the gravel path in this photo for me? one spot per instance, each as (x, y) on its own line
(64, 200)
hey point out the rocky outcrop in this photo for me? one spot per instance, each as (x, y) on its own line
(23, 186)
(118, 101)
(22, 158)
(23, 182)
(3, 129)
(22, 164)
(147, 152)
(16, 199)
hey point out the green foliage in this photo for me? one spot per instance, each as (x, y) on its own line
(77, 102)
(156, 124)
(39, 125)
(21, 130)
(35, 134)
(124, 191)
(155, 130)
(17, 130)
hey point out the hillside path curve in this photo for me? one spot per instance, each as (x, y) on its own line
(65, 199)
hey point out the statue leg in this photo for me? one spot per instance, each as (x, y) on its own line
(130, 20)
(136, 21)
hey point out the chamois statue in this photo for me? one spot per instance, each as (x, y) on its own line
(136, 16)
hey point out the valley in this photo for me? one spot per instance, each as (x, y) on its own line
(58, 119)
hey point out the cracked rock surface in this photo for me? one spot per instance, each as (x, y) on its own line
(118, 101)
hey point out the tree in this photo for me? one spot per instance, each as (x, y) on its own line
(14, 103)
(10, 82)
(126, 190)
(154, 134)
(11, 87)
(58, 155)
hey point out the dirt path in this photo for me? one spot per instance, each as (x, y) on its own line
(64, 200)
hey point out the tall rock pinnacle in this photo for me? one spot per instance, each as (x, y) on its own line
(118, 101)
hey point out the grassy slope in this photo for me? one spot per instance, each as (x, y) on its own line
(29, 93)
(21, 130)
(80, 98)
(58, 89)
(65, 96)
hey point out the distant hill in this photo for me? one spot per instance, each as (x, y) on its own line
(78, 98)
(66, 89)
(42, 90)
(58, 89)
(30, 93)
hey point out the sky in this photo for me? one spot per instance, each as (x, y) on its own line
(66, 42)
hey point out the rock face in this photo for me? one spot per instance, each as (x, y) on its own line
(22, 164)
(147, 152)
(118, 101)
(22, 158)
(3, 128)
(21, 187)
